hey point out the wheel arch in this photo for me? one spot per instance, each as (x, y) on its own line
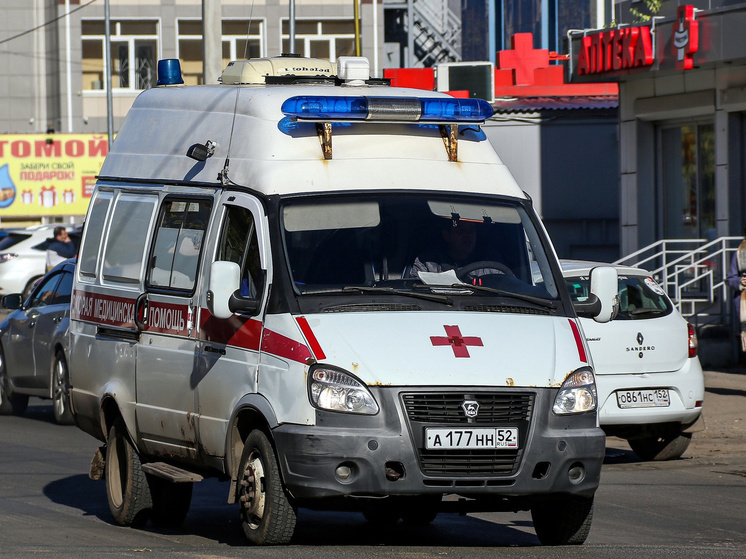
(109, 412)
(252, 412)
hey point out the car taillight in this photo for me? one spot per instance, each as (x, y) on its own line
(692, 341)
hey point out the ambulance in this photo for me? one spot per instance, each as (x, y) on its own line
(330, 294)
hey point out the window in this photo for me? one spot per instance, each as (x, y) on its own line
(178, 243)
(44, 295)
(127, 238)
(236, 35)
(63, 294)
(94, 233)
(239, 244)
(134, 51)
(328, 39)
(639, 298)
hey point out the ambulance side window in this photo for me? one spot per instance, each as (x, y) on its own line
(128, 238)
(94, 230)
(239, 244)
(178, 244)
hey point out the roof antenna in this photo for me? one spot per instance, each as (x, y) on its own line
(223, 175)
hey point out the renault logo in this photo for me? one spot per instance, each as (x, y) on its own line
(640, 338)
(471, 408)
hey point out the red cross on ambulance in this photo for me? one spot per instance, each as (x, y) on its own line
(457, 342)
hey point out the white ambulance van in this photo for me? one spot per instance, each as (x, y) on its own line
(331, 294)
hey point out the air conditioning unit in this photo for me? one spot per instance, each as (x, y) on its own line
(478, 78)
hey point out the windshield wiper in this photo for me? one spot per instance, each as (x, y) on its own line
(528, 298)
(390, 290)
(640, 312)
(384, 291)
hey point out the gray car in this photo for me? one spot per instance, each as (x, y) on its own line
(33, 345)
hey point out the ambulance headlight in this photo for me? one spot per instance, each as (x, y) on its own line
(577, 394)
(335, 390)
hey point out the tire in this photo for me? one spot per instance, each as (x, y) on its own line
(267, 515)
(61, 391)
(563, 521)
(170, 502)
(127, 489)
(661, 447)
(10, 403)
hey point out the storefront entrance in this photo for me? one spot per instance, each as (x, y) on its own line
(687, 180)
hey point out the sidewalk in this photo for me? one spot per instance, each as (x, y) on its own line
(724, 436)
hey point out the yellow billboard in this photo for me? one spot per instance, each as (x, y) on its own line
(48, 174)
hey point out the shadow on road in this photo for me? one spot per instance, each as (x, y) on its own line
(212, 519)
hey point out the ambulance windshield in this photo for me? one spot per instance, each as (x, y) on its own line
(416, 244)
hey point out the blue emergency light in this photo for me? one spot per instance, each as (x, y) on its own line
(169, 72)
(404, 109)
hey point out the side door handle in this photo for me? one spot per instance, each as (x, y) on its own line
(141, 306)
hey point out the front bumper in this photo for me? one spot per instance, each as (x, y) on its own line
(385, 453)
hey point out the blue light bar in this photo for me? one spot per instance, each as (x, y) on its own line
(392, 109)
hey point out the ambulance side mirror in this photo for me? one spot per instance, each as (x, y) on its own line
(225, 280)
(224, 292)
(603, 302)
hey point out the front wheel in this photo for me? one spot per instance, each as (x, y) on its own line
(10, 403)
(563, 521)
(127, 489)
(61, 391)
(661, 447)
(267, 515)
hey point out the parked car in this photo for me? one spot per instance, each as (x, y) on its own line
(649, 379)
(23, 254)
(33, 345)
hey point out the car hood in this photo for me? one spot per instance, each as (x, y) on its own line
(448, 348)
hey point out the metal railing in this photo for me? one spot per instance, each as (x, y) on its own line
(438, 31)
(693, 273)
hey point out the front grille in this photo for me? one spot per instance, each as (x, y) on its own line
(446, 408)
(468, 462)
(496, 409)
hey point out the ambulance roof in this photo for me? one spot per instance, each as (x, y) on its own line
(274, 153)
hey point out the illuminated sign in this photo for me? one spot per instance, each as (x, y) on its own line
(685, 37)
(617, 49)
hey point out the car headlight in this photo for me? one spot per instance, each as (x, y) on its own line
(577, 394)
(5, 256)
(334, 390)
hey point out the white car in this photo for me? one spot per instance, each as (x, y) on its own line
(23, 253)
(649, 379)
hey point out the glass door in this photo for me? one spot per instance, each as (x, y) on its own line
(688, 179)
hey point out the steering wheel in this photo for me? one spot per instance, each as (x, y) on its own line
(463, 272)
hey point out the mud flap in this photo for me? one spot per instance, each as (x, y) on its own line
(97, 464)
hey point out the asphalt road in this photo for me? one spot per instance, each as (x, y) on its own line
(692, 507)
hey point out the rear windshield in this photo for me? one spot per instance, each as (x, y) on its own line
(639, 297)
(7, 241)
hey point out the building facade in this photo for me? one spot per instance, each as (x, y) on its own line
(682, 90)
(52, 67)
